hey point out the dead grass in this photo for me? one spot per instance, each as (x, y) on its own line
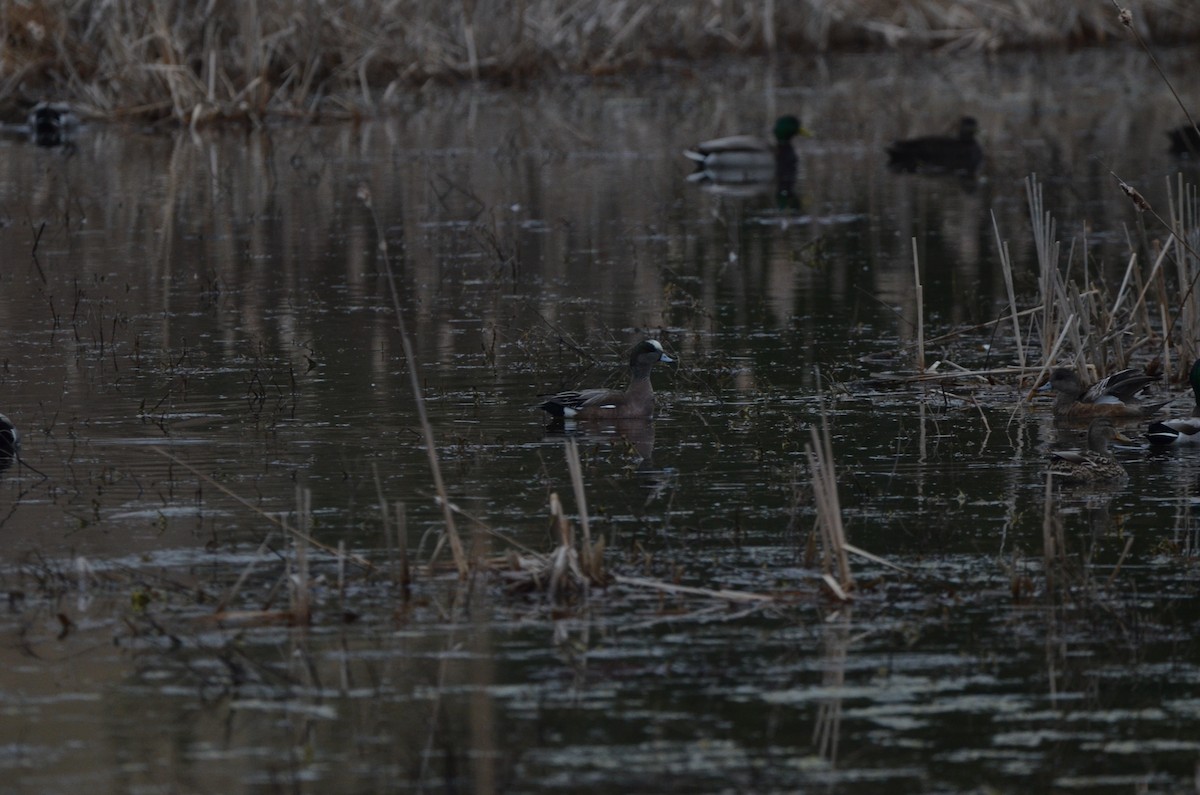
(251, 60)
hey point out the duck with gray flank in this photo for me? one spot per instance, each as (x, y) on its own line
(748, 158)
(1114, 395)
(1181, 430)
(635, 402)
(1094, 465)
(960, 153)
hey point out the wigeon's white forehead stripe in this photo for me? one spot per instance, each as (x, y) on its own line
(656, 344)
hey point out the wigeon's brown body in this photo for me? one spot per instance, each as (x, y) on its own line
(636, 402)
(1112, 396)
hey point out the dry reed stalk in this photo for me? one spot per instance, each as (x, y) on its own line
(591, 554)
(1124, 288)
(1049, 279)
(395, 538)
(1097, 332)
(341, 576)
(1126, 20)
(299, 592)
(1138, 324)
(835, 562)
(1180, 236)
(388, 544)
(1048, 534)
(296, 576)
(835, 641)
(1184, 213)
(871, 556)
(1081, 334)
(920, 308)
(564, 576)
(571, 450)
(456, 546)
(1058, 342)
(224, 601)
(957, 373)
(401, 527)
(1006, 266)
(1141, 308)
(964, 330)
(741, 597)
(1120, 562)
(1164, 319)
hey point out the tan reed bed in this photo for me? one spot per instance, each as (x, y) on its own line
(1179, 318)
(252, 59)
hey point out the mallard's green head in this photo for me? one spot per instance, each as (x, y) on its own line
(1194, 379)
(787, 128)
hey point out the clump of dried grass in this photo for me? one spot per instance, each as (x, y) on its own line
(1076, 318)
(252, 59)
(576, 564)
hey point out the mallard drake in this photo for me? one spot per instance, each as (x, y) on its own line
(939, 152)
(636, 402)
(1112, 396)
(748, 158)
(1094, 464)
(1185, 140)
(51, 123)
(1182, 430)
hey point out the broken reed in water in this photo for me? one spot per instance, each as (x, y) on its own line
(250, 59)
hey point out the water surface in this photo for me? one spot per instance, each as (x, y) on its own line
(214, 304)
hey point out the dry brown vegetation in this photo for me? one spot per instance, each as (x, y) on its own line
(195, 62)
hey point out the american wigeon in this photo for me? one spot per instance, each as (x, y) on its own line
(636, 402)
(1094, 464)
(1112, 396)
(960, 153)
(1182, 430)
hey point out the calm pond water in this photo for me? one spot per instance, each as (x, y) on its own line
(198, 325)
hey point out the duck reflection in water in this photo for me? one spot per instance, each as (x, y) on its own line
(638, 434)
(10, 443)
